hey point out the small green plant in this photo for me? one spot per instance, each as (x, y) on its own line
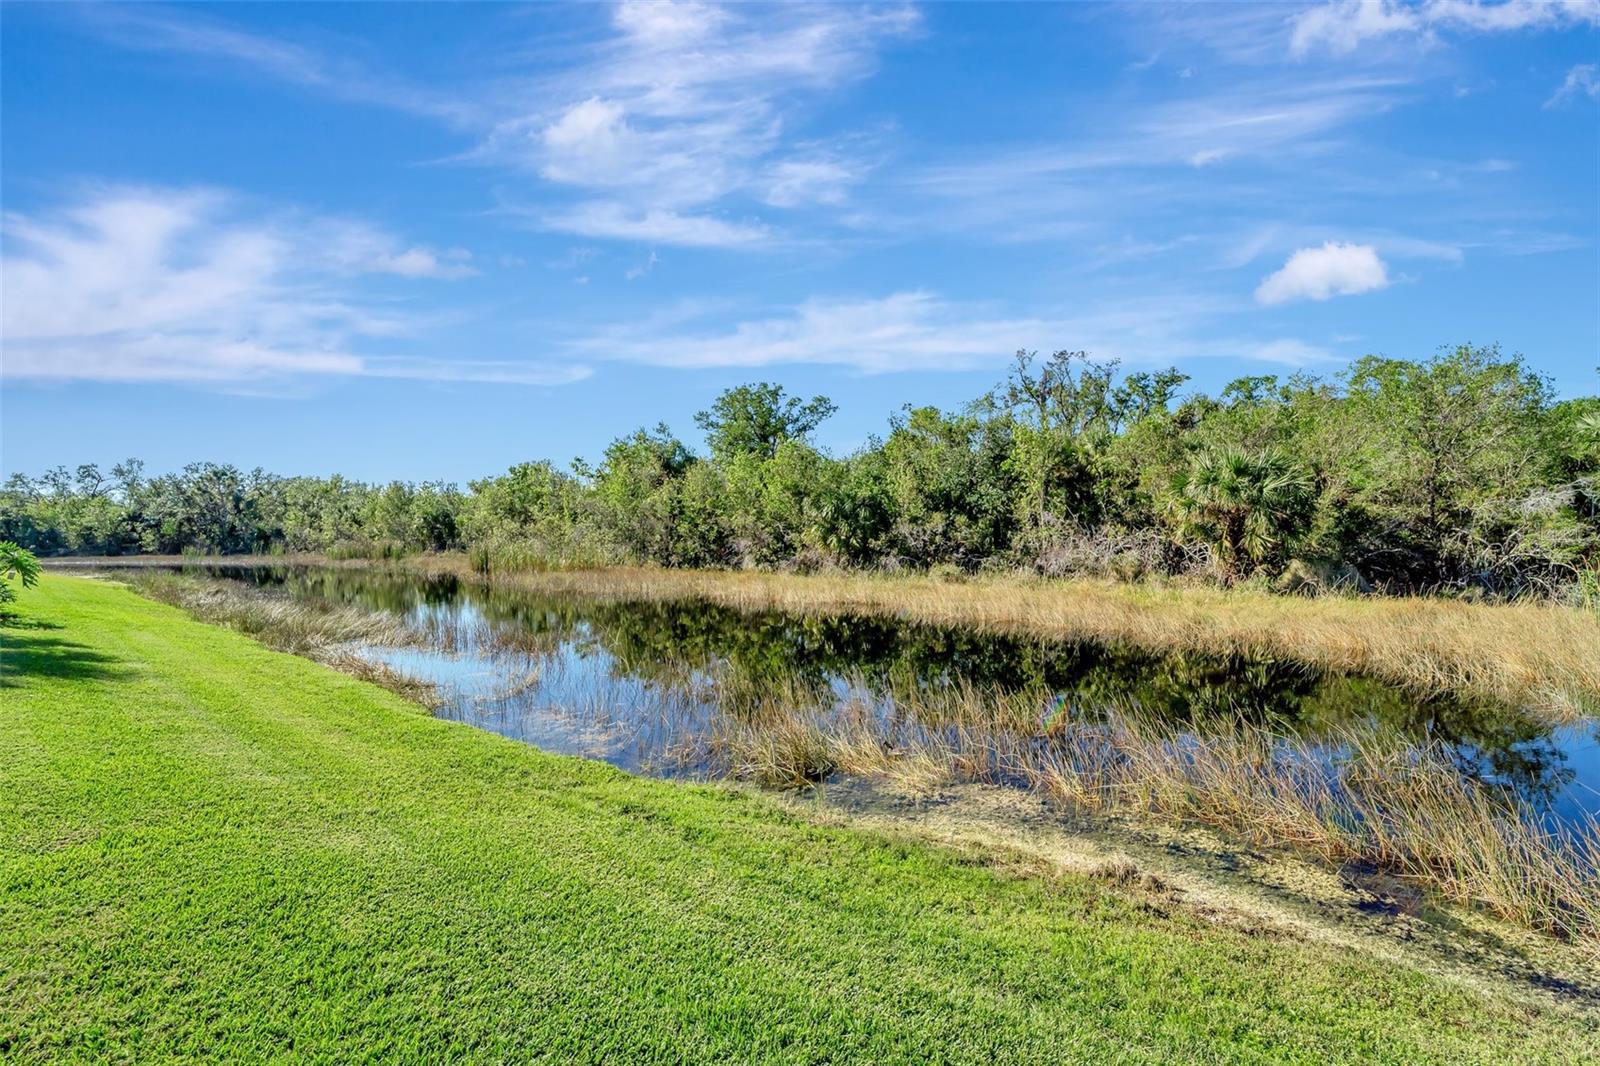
(16, 564)
(1589, 590)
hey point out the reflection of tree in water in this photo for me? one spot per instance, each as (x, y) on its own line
(673, 643)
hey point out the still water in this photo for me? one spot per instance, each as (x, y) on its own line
(639, 684)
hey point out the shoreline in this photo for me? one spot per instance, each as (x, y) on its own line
(1544, 657)
(284, 804)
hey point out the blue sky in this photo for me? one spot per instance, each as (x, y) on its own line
(430, 241)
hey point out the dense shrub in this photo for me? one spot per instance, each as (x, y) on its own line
(1460, 473)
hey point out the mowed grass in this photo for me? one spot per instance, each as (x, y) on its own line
(210, 850)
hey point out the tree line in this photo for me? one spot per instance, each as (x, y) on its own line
(1458, 473)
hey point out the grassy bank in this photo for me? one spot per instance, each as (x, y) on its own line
(212, 850)
(1398, 805)
(1540, 655)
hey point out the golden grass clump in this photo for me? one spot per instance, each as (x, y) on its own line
(1401, 808)
(310, 628)
(1541, 655)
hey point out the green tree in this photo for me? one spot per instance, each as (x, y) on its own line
(16, 564)
(755, 419)
(1449, 446)
(1249, 508)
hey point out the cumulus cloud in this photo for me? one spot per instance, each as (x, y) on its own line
(1319, 273)
(140, 284)
(1342, 26)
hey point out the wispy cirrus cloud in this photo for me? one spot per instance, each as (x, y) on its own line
(919, 331)
(163, 29)
(148, 284)
(1146, 153)
(688, 105)
(1582, 80)
(608, 219)
(653, 126)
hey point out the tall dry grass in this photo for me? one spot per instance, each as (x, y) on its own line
(1544, 656)
(309, 628)
(1396, 806)
(1540, 655)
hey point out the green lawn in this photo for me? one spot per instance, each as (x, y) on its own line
(211, 850)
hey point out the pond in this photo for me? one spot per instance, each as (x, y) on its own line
(644, 685)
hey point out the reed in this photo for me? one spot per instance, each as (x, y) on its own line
(1365, 798)
(1543, 656)
(309, 628)
(1358, 796)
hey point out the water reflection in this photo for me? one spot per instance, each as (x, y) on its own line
(626, 682)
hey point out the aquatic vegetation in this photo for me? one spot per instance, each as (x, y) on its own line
(1537, 654)
(1442, 791)
(312, 628)
(196, 830)
(1358, 796)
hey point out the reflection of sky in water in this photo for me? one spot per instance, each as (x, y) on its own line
(1581, 745)
(570, 702)
(628, 683)
(579, 700)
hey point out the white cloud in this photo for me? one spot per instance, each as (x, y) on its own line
(348, 247)
(687, 104)
(1342, 26)
(1207, 156)
(1319, 273)
(424, 263)
(657, 25)
(608, 219)
(486, 371)
(918, 331)
(138, 284)
(1492, 16)
(644, 269)
(794, 182)
(1581, 80)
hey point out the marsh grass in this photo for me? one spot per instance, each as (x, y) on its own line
(310, 628)
(1358, 796)
(1361, 797)
(1544, 656)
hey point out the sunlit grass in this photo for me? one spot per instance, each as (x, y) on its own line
(1394, 804)
(212, 851)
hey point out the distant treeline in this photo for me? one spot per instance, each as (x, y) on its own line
(1462, 472)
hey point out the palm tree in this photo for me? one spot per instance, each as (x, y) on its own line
(1248, 506)
(16, 562)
